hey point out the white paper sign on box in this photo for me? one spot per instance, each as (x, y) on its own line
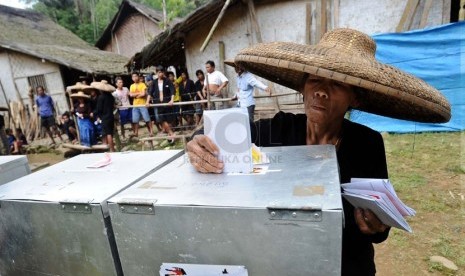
(229, 129)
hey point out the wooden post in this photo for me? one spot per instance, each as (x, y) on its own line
(407, 14)
(462, 10)
(424, 16)
(412, 17)
(336, 14)
(218, 19)
(446, 5)
(222, 55)
(7, 105)
(308, 23)
(253, 17)
(321, 23)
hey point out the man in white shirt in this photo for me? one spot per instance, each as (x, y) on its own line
(246, 82)
(215, 81)
(122, 99)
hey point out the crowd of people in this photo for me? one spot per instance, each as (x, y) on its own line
(91, 119)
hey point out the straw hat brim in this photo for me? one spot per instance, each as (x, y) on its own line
(385, 90)
(230, 62)
(80, 87)
(80, 94)
(105, 87)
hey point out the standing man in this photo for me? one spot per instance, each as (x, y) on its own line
(138, 91)
(121, 95)
(46, 110)
(246, 83)
(105, 107)
(201, 95)
(162, 91)
(215, 82)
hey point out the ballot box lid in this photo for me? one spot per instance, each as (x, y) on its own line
(295, 177)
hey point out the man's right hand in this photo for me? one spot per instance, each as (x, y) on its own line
(203, 155)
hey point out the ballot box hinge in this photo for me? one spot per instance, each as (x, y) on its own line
(295, 214)
(70, 207)
(137, 206)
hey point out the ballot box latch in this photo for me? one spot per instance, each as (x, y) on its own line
(308, 213)
(76, 207)
(137, 206)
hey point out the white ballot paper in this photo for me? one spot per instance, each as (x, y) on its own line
(229, 129)
(168, 269)
(379, 196)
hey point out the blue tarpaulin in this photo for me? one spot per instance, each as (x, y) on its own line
(436, 55)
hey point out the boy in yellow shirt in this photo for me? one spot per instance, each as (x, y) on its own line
(138, 91)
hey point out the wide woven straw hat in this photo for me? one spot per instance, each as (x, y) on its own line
(79, 86)
(80, 94)
(103, 86)
(230, 62)
(348, 56)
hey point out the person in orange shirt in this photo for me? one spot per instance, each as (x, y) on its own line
(138, 91)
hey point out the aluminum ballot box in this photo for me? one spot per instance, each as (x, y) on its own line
(55, 221)
(13, 167)
(283, 219)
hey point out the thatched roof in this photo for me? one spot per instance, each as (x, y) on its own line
(34, 34)
(127, 8)
(167, 47)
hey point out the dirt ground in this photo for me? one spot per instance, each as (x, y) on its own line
(428, 173)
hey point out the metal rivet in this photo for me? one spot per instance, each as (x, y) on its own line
(74, 207)
(62, 206)
(273, 214)
(316, 215)
(122, 208)
(135, 208)
(87, 208)
(294, 214)
(150, 209)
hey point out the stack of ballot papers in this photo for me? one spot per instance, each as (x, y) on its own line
(379, 196)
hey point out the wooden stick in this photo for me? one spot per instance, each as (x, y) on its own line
(424, 16)
(253, 18)
(218, 19)
(308, 23)
(406, 14)
(412, 17)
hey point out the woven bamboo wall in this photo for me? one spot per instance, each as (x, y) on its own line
(25, 66)
(132, 35)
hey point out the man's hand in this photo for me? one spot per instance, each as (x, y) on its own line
(368, 222)
(203, 154)
(218, 92)
(171, 102)
(268, 90)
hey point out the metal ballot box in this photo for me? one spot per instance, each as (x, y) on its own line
(55, 221)
(13, 167)
(283, 219)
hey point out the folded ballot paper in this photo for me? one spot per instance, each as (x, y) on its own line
(168, 269)
(229, 129)
(379, 196)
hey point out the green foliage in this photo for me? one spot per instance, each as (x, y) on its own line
(89, 18)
